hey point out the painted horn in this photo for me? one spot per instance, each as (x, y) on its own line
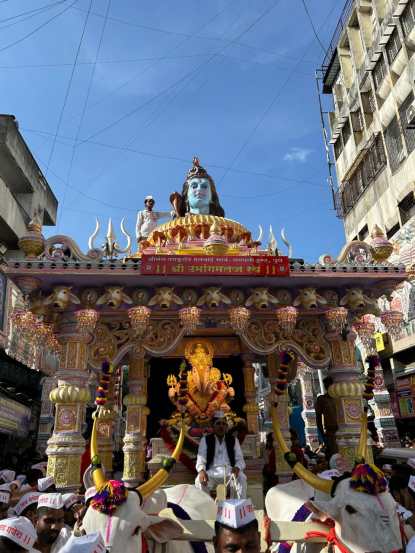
(98, 475)
(162, 475)
(312, 479)
(362, 449)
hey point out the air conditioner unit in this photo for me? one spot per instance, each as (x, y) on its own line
(410, 116)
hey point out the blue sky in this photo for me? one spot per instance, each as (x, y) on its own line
(231, 81)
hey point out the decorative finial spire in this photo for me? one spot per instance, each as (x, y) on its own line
(197, 171)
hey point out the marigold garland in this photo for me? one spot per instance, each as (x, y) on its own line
(374, 362)
(282, 376)
(104, 383)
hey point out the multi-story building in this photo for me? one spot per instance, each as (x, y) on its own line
(369, 70)
(24, 194)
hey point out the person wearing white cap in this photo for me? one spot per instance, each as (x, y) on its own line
(72, 505)
(51, 532)
(147, 219)
(7, 476)
(27, 506)
(17, 535)
(91, 543)
(46, 485)
(236, 527)
(220, 458)
(4, 500)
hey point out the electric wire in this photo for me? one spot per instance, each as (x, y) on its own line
(34, 31)
(310, 19)
(86, 101)
(68, 88)
(31, 14)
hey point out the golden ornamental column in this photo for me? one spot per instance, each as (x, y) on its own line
(283, 470)
(66, 446)
(251, 407)
(348, 391)
(136, 419)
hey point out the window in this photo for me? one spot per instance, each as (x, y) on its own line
(409, 134)
(357, 121)
(346, 132)
(407, 208)
(393, 46)
(408, 18)
(364, 233)
(338, 147)
(394, 144)
(368, 102)
(378, 154)
(392, 231)
(379, 71)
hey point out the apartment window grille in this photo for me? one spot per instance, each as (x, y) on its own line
(408, 18)
(407, 208)
(393, 230)
(394, 144)
(347, 199)
(338, 147)
(357, 120)
(368, 101)
(346, 132)
(393, 46)
(368, 170)
(409, 134)
(379, 71)
(364, 233)
(378, 154)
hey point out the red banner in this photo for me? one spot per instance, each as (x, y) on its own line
(192, 265)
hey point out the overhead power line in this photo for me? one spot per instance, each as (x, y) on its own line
(68, 88)
(30, 13)
(34, 31)
(313, 27)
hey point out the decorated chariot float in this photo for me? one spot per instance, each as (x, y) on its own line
(183, 318)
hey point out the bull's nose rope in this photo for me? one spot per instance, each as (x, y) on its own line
(330, 537)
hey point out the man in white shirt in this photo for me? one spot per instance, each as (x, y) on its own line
(148, 220)
(219, 457)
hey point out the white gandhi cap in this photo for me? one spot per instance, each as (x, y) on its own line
(19, 530)
(91, 543)
(50, 501)
(235, 512)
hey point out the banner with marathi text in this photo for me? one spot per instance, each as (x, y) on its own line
(232, 265)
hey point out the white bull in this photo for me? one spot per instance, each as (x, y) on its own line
(62, 297)
(213, 297)
(114, 296)
(165, 298)
(309, 299)
(261, 298)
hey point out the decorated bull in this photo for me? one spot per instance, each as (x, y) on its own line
(261, 298)
(309, 299)
(213, 297)
(356, 300)
(165, 298)
(363, 511)
(117, 513)
(114, 297)
(61, 298)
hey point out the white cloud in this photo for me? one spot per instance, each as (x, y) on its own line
(297, 154)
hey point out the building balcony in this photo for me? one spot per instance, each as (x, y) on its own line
(400, 62)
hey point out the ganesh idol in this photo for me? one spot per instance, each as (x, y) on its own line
(199, 196)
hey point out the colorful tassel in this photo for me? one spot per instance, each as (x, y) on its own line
(110, 496)
(101, 395)
(368, 479)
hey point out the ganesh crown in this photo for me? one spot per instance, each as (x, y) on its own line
(197, 171)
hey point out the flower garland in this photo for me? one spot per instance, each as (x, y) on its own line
(104, 382)
(374, 362)
(368, 479)
(282, 375)
(110, 496)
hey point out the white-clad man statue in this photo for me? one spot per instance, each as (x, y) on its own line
(148, 220)
(219, 457)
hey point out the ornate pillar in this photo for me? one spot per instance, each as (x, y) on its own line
(348, 391)
(136, 419)
(305, 376)
(67, 445)
(46, 413)
(105, 429)
(250, 408)
(283, 470)
(381, 406)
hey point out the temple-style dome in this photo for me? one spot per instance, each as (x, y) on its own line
(198, 227)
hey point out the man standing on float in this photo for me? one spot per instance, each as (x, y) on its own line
(219, 457)
(148, 220)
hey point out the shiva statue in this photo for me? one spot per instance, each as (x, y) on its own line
(199, 196)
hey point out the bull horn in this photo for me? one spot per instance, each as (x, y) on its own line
(162, 474)
(362, 449)
(312, 479)
(98, 475)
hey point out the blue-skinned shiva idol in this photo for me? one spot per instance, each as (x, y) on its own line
(199, 196)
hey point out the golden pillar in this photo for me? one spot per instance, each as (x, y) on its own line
(348, 391)
(283, 470)
(251, 407)
(66, 445)
(136, 419)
